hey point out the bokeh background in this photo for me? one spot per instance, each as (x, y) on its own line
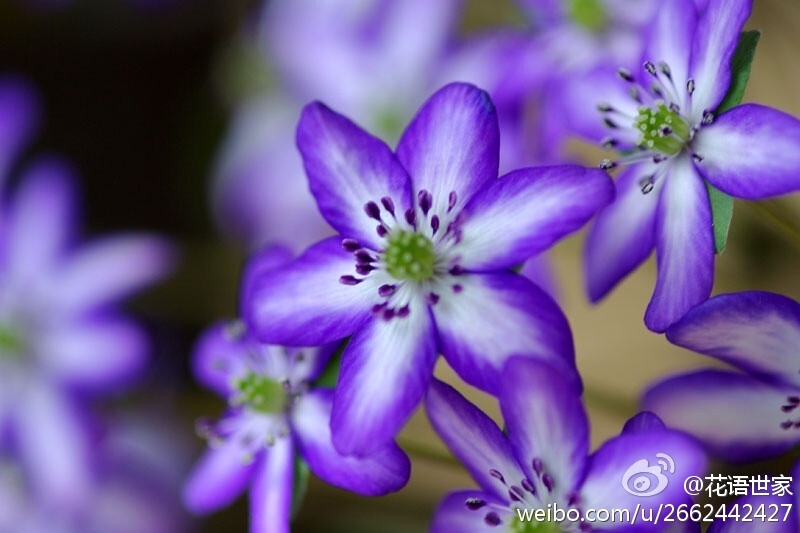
(138, 95)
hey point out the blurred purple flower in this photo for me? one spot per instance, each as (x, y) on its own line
(422, 266)
(275, 413)
(665, 113)
(543, 459)
(61, 337)
(738, 416)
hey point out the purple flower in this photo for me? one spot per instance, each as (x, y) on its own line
(62, 340)
(544, 458)
(275, 412)
(428, 236)
(667, 116)
(738, 415)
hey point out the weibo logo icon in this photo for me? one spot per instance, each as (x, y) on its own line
(643, 479)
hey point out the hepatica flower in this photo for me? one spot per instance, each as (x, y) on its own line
(421, 266)
(678, 142)
(275, 413)
(544, 459)
(741, 415)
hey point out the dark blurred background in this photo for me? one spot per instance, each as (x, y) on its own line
(136, 96)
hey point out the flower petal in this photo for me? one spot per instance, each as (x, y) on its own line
(665, 458)
(494, 316)
(218, 354)
(384, 471)
(385, 371)
(756, 503)
(218, 479)
(546, 424)
(453, 144)
(540, 270)
(271, 491)
(347, 168)
(474, 439)
(109, 270)
(712, 50)
(684, 247)
(266, 260)
(304, 304)
(454, 516)
(19, 114)
(35, 242)
(526, 211)
(623, 234)
(669, 39)
(54, 448)
(644, 421)
(758, 332)
(751, 152)
(735, 416)
(99, 355)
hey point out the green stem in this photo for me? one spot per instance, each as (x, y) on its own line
(610, 402)
(427, 453)
(769, 213)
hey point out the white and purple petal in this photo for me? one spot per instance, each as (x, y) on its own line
(736, 416)
(386, 368)
(347, 170)
(758, 332)
(475, 440)
(526, 211)
(219, 355)
(221, 476)
(751, 152)
(623, 234)
(452, 147)
(471, 511)
(684, 246)
(546, 424)
(486, 318)
(386, 470)
(261, 262)
(304, 303)
(271, 489)
(713, 47)
(752, 505)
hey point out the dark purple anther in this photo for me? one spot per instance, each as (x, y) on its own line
(497, 475)
(457, 270)
(538, 466)
(435, 223)
(675, 108)
(625, 74)
(787, 424)
(650, 68)
(364, 269)
(363, 256)
(382, 231)
(386, 290)
(516, 492)
(793, 399)
(473, 504)
(548, 482)
(378, 308)
(610, 123)
(451, 201)
(493, 519)
(425, 200)
(433, 298)
(349, 280)
(708, 117)
(411, 217)
(372, 210)
(388, 314)
(403, 311)
(572, 499)
(697, 158)
(350, 245)
(457, 288)
(527, 485)
(388, 204)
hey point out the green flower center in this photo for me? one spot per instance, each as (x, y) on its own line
(661, 129)
(12, 343)
(519, 526)
(589, 14)
(261, 393)
(410, 256)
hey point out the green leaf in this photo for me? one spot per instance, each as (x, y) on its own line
(300, 484)
(721, 203)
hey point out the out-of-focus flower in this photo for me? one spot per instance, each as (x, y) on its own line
(276, 416)
(428, 238)
(781, 511)
(374, 59)
(738, 416)
(665, 115)
(544, 458)
(62, 339)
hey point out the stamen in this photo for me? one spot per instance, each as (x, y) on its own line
(497, 475)
(647, 184)
(456, 270)
(650, 68)
(604, 108)
(697, 158)
(403, 311)
(364, 269)
(609, 143)
(435, 223)
(634, 93)
(451, 201)
(411, 217)
(425, 200)
(473, 504)
(492, 519)
(690, 86)
(548, 482)
(382, 231)
(349, 280)
(388, 204)
(625, 74)
(610, 123)
(457, 288)
(363, 256)
(607, 164)
(538, 466)
(665, 69)
(433, 298)
(527, 485)
(372, 210)
(350, 245)
(386, 290)
(708, 117)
